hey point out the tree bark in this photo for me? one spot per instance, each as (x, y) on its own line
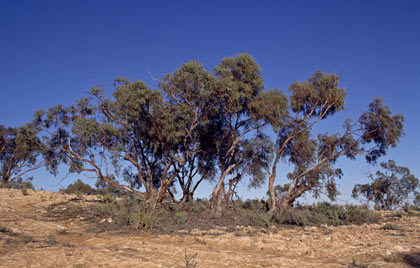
(217, 201)
(272, 177)
(219, 192)
(273, 199)
(292, 195)
(186, 197)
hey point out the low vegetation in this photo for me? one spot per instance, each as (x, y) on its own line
(130, 213)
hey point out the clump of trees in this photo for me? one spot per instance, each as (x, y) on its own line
(390, 189)
(200, 125)
(79, 187)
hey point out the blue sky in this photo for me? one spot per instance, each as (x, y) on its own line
(53, 51)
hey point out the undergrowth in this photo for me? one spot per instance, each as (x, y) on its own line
(134, 213)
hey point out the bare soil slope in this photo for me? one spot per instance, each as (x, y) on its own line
(31, 237)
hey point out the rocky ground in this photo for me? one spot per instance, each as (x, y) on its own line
(32, 236)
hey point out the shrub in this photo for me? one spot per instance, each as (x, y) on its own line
(361, 215)
(325, 213)
(143, 220)
(20, 185)
(28, 239)
(128, 211)
(108, 198)
(389, 226)
(255, 218)
(51, 240)
(255, 205)
(8, 232)
(332, 214)
(79, 187)
(292, 216)
(181, 217)
(62, 232)
(190, 260)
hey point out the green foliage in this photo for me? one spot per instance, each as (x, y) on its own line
(255, 218)
(79, 187)
(143, 219)
(20, 149)
(361, 215)
(349, 214)
(281, 190)
(239, 82)
(390, 189)
(319, 96)
(291, 216)
(20, 184)
(270, 106)
(126, 212)
(314, 158)
(133, 214)
(325, 213)
(181, 217)
(381, 127)
(235, 129)
(417, 200)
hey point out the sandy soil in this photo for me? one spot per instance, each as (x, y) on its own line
(30, 237)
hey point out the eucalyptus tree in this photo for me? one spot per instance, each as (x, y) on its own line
(390, 189)
(128, 141)
(20, 151)
(163, 128)
(76, 136)
(313, 159)
(189, 92)
(149, 134)
(149, 137)
(242, 110)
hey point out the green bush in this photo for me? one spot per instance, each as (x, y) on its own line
(292, 216)
(181, 217)
(19, 184)
(255, 218)
(132, 212)
(325, 213)
(255, 205)
(142, 219)
(330, 214)
(361, 215)
(79, 187)
(126, 212)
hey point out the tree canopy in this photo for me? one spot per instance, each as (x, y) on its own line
(20, 152)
